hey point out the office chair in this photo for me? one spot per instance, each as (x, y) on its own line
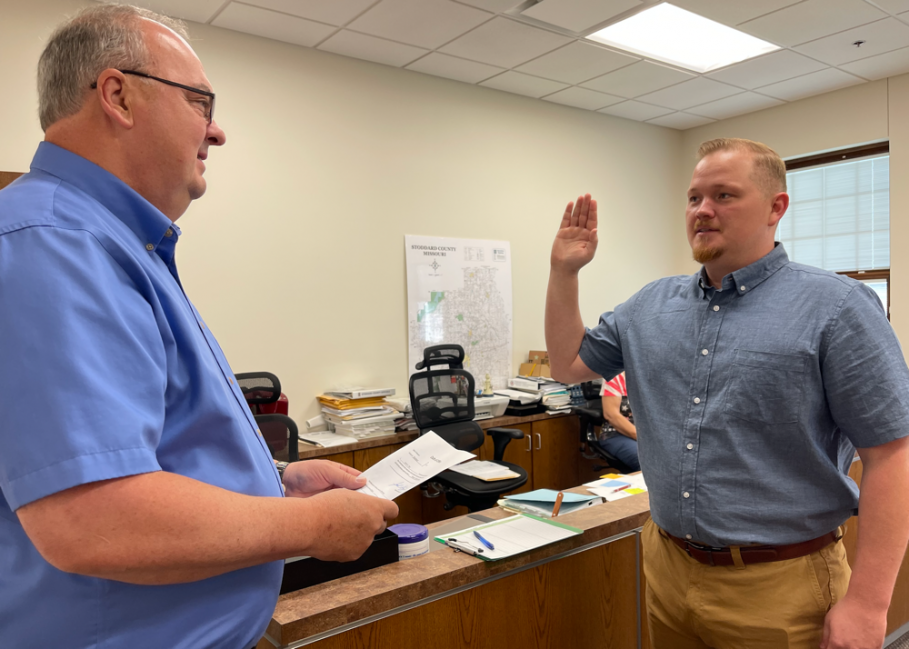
(591, 416)
(261, 389)
(442, 401)
(280, 433)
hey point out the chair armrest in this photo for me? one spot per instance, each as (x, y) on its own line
(500, 439)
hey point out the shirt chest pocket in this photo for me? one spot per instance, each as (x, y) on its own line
(765, 388)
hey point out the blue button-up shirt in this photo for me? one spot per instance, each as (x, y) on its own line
(107, 370)
(749, 401)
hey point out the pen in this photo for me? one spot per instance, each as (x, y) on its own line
(558, 505)
(484, 541)
(463, 547)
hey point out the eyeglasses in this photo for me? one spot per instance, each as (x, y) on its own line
(208, 107)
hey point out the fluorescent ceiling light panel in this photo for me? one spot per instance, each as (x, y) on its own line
(678, 37)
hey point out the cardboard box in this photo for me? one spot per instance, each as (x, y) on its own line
(538, 356)
(535, 369)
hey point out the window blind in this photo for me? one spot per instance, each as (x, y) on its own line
(839, 215)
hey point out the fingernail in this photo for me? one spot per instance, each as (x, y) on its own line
(361, 478)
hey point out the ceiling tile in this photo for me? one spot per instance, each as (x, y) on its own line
(893, 6)
(689, 93)
(881, 66)
(637, 79)
(635, 110)
(333, 13)
(767, 69)
(360, 46)
(807, 85)
(883, 36)
(811, 19)
(732, 13)
(424, 23)
(523, 84)
(495, 6)
(450, 67)
(745, 102)
(680, 121)
(577, 62)
(583, 98)
(199, 11)
(578, 15)
(273, 25)
(505, 43)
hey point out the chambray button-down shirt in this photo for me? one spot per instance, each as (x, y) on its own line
(750, 400)
(107, 370)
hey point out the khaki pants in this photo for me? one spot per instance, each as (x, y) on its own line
(774, 605)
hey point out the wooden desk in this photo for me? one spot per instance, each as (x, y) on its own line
(580, 592)
(586, 591)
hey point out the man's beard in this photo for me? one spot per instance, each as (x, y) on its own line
(704, 254)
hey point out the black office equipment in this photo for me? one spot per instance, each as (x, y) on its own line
(307, 571)
(591, 416)
(442, 401)
(259, 388)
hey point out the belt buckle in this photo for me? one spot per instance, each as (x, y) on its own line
(709, 549)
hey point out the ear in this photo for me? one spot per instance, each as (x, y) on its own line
(116, 99)
(778, 208)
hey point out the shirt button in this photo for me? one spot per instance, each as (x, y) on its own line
(742, 288)
(688, 536)
(690, 446)
(259, 432)
(230, 380)
(704, 352)
(169, 233)
(685, 494)
(697, 399)
(149, 246)
(716, 308)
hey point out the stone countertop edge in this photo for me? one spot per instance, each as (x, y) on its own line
(321, 608)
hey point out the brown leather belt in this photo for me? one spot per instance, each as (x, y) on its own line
(712, 556)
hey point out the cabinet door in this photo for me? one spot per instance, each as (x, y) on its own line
(518, 451)
(347, 459)
(555, 452)
(410, 504)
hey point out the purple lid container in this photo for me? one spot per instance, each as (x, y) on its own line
(410, 532)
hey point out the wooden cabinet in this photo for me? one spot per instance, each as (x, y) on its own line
(549, 453)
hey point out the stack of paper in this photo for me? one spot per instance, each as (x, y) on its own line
(325, 439)
(345, 403)
(542, 501)
(359, 417)
(487, 471)
(360, 393)
(615, 486)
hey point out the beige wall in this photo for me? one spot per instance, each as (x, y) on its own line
(861, 114)
(295, 256)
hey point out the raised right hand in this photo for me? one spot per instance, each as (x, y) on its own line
(576, 242)
(348, 523)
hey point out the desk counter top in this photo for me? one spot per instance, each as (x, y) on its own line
(321, 610)
(309, 452)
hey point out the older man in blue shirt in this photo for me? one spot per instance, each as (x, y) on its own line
(753, 382)
(140, 505)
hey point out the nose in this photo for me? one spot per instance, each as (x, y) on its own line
(216, 135)
(704, 210)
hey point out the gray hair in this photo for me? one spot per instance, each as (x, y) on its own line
(95, 39)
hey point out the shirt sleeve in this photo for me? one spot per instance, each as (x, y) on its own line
(82, 370)
(613, 387)
(601, 348)
(864, 372)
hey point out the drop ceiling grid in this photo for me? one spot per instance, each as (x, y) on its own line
(486, 42)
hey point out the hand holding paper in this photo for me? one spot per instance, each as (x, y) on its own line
(423, 458)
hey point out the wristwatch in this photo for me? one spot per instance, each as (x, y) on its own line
(281, 466)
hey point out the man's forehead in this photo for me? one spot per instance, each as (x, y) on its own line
(170, 49)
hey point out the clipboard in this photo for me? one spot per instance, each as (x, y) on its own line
(511, 536)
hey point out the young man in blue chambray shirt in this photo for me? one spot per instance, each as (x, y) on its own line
(753, 382)
(140, 506)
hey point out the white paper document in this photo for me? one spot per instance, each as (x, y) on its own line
(423, 458)
(511, 536)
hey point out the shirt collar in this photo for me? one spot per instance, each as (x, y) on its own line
(147, 222)
(747, 278)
